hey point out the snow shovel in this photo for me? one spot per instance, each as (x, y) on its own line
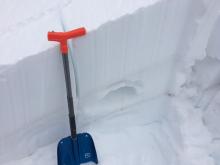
(77, 148)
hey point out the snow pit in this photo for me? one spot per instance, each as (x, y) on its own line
(146, 85)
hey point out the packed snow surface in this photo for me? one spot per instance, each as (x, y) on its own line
(145, 79)
(135, 133)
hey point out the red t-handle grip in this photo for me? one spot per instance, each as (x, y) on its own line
(62, 37)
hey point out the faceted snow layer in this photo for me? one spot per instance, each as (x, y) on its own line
(147, 75)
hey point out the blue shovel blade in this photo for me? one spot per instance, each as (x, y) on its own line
(76, 151)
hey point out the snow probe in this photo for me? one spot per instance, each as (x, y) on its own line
(77, 148)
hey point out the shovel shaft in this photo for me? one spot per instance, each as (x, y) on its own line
(69, 95)
(78, 148)
(62, 38)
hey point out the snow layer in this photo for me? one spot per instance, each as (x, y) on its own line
(28, 22)
(129, 136)
(141, 90)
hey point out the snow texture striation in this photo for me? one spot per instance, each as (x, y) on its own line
(146, 86)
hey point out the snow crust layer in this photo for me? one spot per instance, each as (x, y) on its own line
(147, 76)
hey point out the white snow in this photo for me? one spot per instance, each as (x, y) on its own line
(133, 133)
(147, 75)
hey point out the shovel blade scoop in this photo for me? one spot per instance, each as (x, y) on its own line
(76, 151)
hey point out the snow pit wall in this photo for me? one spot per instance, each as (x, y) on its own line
(204, 80)
(130, 52)
(197, 82)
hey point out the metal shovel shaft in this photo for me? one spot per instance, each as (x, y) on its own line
(69, 95)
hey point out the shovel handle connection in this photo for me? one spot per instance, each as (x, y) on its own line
(62, 37)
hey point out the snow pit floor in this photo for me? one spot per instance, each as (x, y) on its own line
(131, 136)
